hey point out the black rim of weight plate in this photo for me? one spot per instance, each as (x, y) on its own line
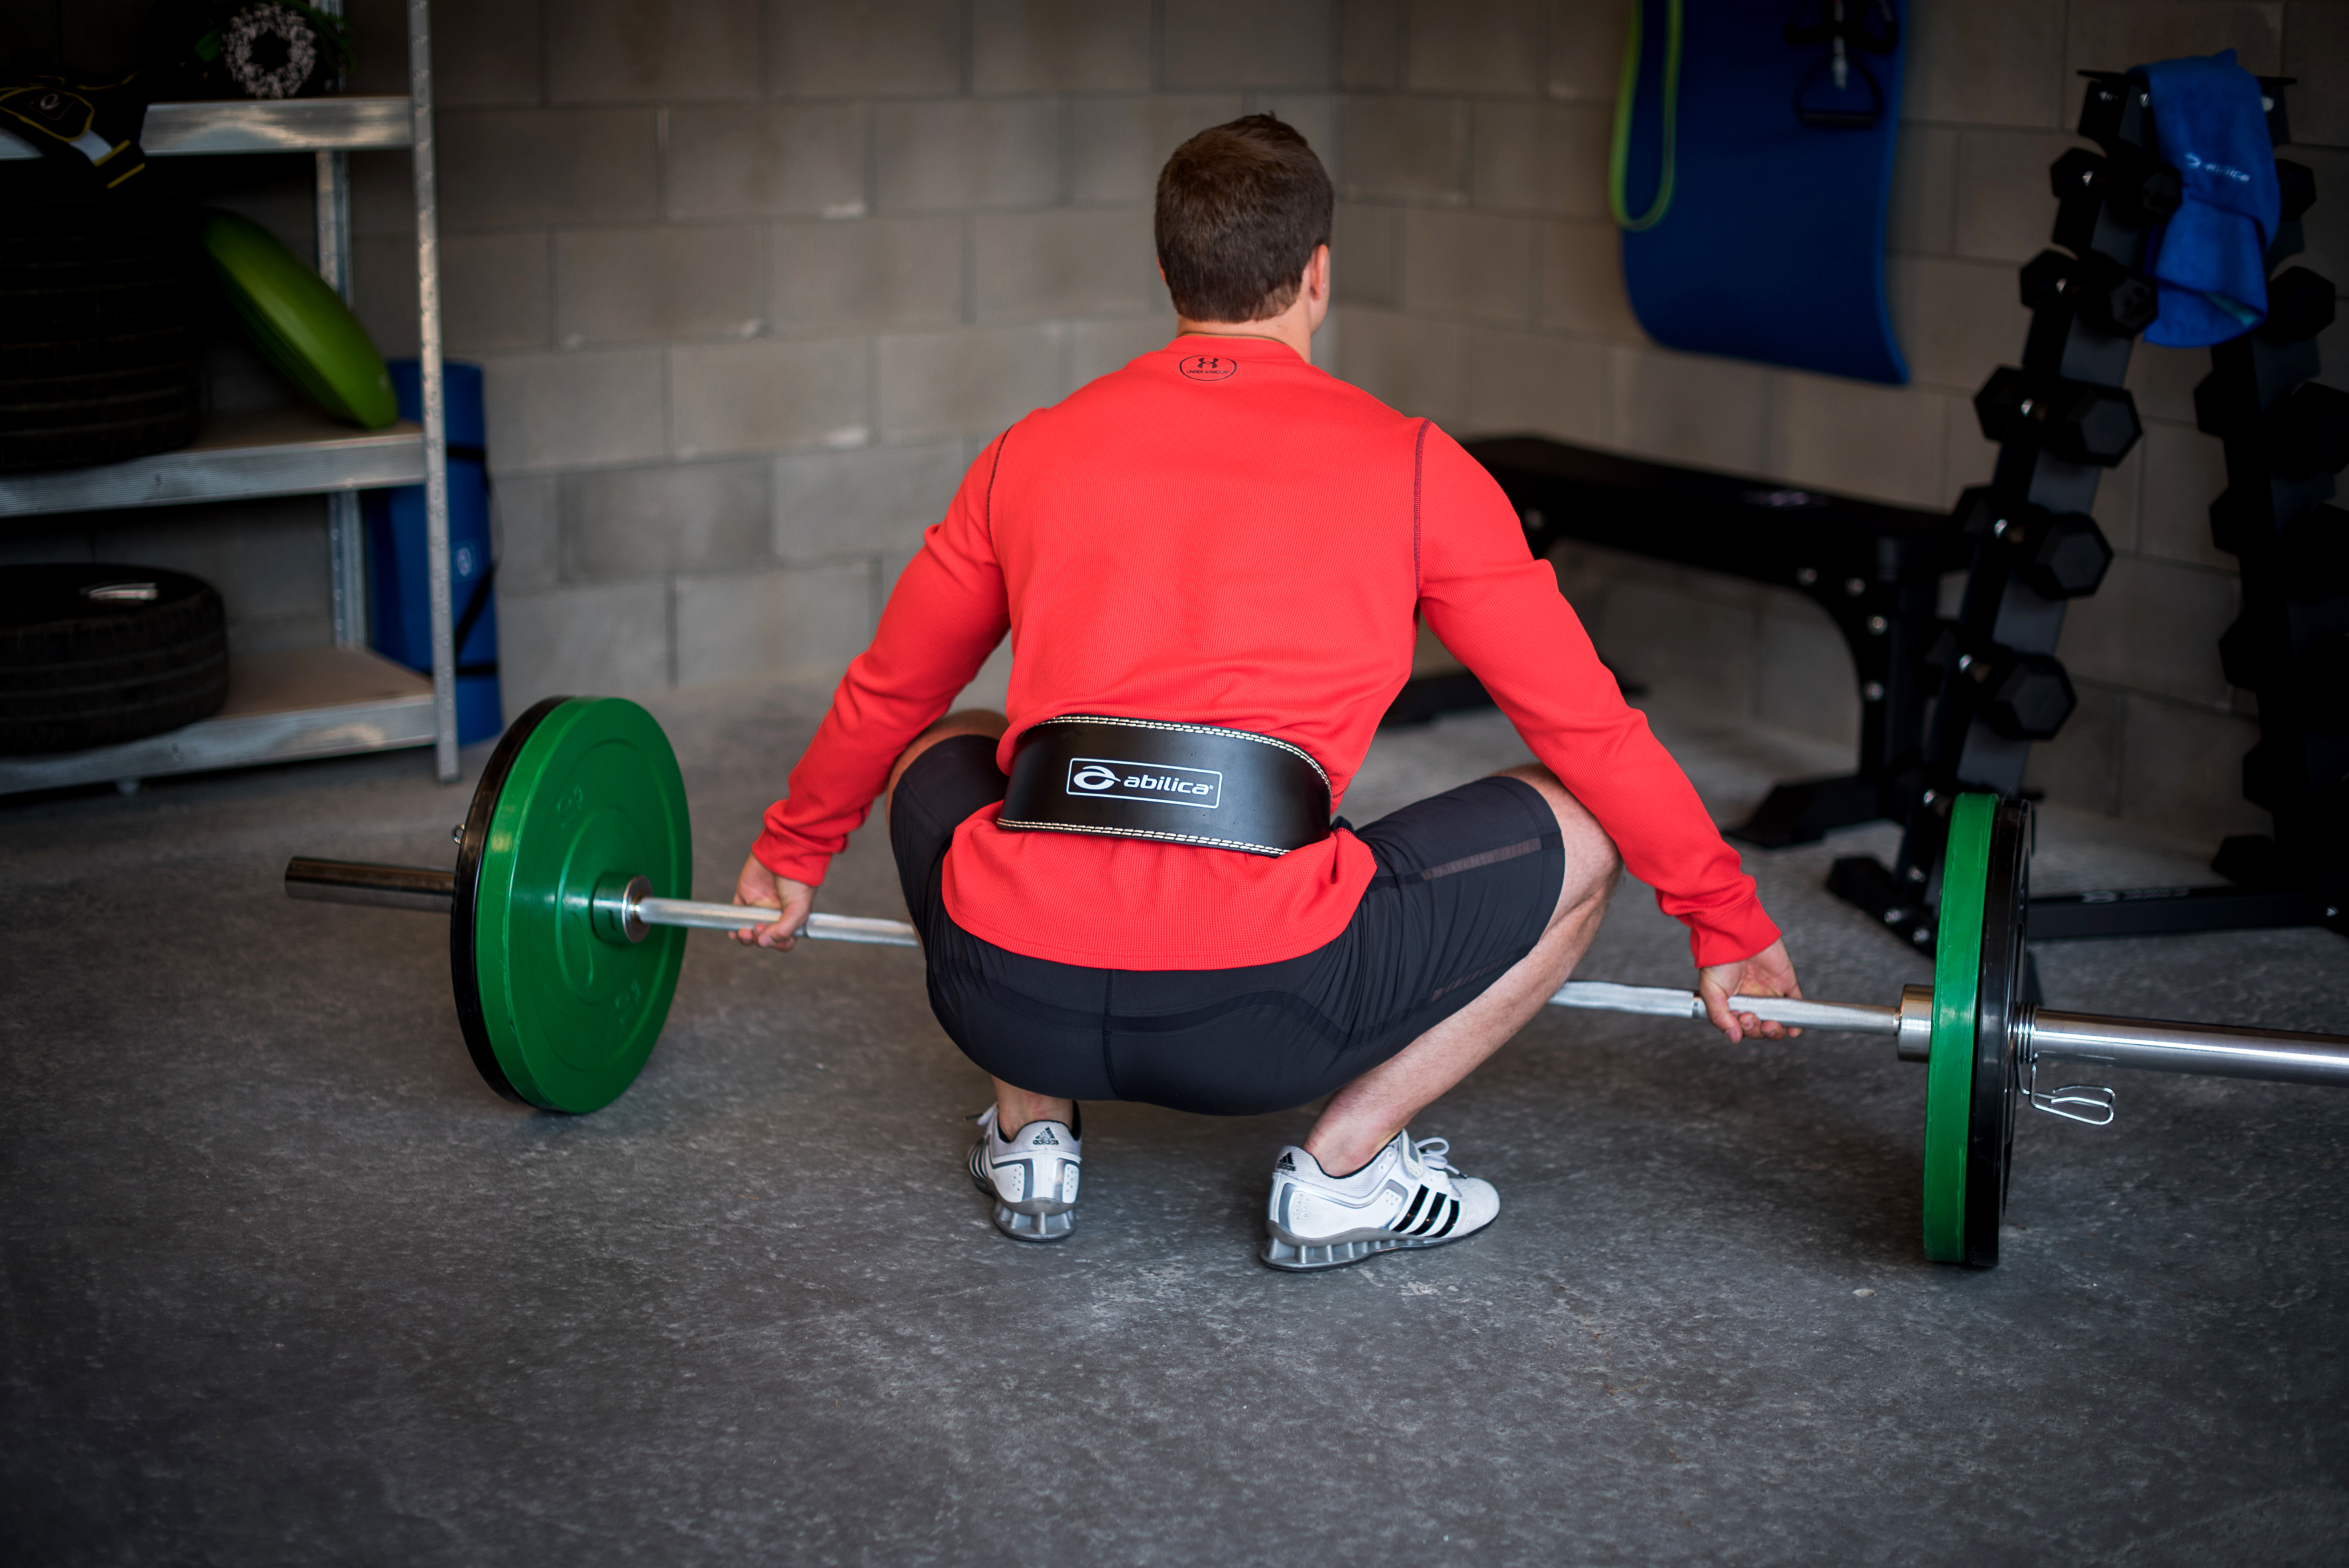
(464, 978)
(1997, 1079)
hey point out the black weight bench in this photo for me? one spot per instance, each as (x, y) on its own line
(1875, 569)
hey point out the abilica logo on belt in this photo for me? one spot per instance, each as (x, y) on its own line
(1156, 782)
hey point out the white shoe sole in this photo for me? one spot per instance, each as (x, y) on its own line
(1296, 1253)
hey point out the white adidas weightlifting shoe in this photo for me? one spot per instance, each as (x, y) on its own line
(1408, 1197)
(1031, 1176)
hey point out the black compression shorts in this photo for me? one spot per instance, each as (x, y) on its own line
(1466, 882)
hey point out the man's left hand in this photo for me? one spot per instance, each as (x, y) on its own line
(759, 887)
(1769, 973)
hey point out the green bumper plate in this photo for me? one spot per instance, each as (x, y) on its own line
(299, 324)
(1957, 985)
(590, 796)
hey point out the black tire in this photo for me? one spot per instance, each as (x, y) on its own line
(81, 666)
(99, 317)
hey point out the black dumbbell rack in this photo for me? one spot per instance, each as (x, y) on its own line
(2060, 419)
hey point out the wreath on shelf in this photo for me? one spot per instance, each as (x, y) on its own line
(279, 48)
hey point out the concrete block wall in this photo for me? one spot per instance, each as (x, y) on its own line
(753, 283)
(1479, 284)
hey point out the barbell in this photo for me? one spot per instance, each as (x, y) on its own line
(566, 944)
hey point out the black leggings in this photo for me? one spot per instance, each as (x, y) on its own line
(1466, 883)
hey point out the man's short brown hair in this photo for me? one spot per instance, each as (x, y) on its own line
(1241, 208)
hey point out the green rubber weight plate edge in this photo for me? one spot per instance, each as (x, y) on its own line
(1957, 984)
(595, 793)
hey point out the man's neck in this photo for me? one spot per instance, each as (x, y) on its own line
(1290, 327)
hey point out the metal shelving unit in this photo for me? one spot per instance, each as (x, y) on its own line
(310, 702)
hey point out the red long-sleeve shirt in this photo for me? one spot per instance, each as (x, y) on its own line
(1220, 533)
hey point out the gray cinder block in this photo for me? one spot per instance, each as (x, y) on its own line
(1854, 437)
(782, 625)
(607, 638)
(1118, 145)
(1098, 347)
(1473, 46)
(875, 272)
(566, 410)
(1416, 365)
(1584, 51)
(1366, 254)
(1060, 45)
(1578, 280)
(2182, 771)
(966, 154)
(1685, 408)
(1066, 262)
(497, 291)
(2184, 472)
(823, 48)
(1522, 383)
(644, 522)
(1479, 265)
(1405, 149)
(510, 169)
(975, 382)
(1370, 44)
(525, 510)
(1994, 62)
(1545, 157)
(484, 52)
(1957, 321)
(643, 51)
(1249, 43)
(2004, 209)
(768, 396)
(783, 160)
(872, 502)
(2154, 627)
(656, 284)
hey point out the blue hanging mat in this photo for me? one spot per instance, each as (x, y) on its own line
(1750, 174)
(400, 616)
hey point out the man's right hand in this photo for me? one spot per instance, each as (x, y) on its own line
(1769, 973)
(791, 901)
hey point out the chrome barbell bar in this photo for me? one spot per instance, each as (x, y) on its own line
(2044, 1035)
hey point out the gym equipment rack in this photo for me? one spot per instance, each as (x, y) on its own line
(2061, 418)
(315, 702)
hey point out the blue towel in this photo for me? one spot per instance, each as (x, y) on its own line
(2208, 260)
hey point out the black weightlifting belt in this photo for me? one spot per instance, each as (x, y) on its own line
(1179, 783)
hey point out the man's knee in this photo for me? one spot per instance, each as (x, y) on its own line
(1592, 862)
(983, 721)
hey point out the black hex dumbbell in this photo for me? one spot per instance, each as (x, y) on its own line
(2023, 696)
(2109, 296)
(2300, 305)
(2308, 432)
(2077, 421)
(2315, 555)
(2137, 188)
(2059, 554)
(2322, 677)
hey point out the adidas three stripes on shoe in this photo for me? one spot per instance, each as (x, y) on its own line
(1410, 1196)
(1031, 1176)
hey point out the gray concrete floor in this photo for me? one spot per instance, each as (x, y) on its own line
(285, 1284)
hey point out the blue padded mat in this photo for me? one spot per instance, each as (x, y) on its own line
(1773, 245)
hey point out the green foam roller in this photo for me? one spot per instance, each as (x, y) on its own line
(299, 324)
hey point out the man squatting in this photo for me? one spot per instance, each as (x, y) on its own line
(1211, 563)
